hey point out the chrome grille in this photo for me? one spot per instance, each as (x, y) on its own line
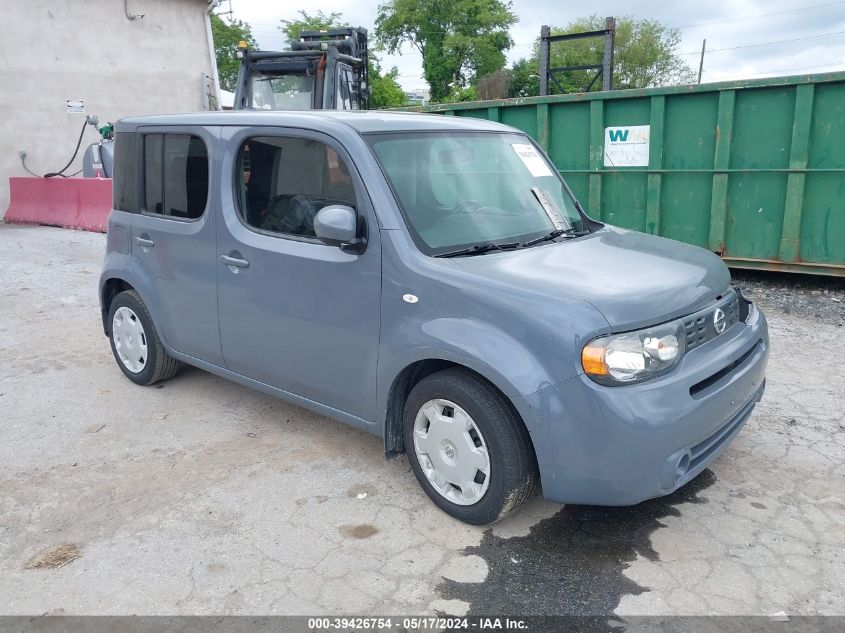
(699, 328)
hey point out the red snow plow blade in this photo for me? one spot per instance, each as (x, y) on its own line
(73, 203)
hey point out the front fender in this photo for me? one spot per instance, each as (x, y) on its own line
(489, 350)
(480, 346)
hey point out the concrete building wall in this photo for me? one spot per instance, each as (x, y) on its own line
(55, 50)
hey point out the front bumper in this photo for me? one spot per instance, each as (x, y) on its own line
(603, 445)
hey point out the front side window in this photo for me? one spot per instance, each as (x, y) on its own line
(460, 189)
(175, 175)
(283, 182)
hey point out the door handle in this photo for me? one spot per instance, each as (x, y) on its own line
(146, 243)
(237, 262)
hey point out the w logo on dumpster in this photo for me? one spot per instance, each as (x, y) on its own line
(626, 146)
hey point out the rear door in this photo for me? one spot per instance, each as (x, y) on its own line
(174, 239)
(294, 313)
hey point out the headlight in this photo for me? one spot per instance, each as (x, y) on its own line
(634, 356)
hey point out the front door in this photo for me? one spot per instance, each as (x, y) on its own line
(174, 240)
(295, 313)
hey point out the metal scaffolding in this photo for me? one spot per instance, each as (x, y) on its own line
(604, 69)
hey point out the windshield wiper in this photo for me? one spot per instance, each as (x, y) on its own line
(570, 232)
(480, 249)
(547, 237)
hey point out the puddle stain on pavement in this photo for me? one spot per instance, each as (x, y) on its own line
(572, 562)
(362, 531)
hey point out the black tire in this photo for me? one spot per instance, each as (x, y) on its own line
(159, 364)
(513, 467)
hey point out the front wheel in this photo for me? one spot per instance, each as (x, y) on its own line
(468, 448)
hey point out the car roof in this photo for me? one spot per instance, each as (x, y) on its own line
(361, 121)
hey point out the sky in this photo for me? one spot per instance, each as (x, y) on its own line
(754, 31)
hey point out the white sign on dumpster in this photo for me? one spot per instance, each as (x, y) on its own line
(626, 146)
(75, 106)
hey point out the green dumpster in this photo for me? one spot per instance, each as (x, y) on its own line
(753, 170)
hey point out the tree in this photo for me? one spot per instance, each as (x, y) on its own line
(308, 22)
(494, 86)
(459, 94)
(643, 56)
(525, 78)
(460, 40)
(385, 91)
(226, 37)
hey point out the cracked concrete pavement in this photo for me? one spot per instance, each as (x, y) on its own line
(203, 497)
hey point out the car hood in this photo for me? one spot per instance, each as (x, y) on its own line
(634, 279)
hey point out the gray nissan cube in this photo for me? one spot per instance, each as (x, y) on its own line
(431, 280)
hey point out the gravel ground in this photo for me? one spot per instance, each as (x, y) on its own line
(818, 298)
(203, 497)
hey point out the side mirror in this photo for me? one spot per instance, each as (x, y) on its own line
(337, 225)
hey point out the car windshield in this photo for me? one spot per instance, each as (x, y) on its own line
(464, 189)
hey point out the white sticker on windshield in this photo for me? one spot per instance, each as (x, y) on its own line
(551, 209)
(531, 159)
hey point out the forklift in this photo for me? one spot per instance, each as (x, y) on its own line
(324, 70)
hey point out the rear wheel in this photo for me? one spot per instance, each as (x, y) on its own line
(135, 343)
(468, 448)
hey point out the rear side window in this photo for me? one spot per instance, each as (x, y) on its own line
(175, 175)
(126, 173)
(283, 183)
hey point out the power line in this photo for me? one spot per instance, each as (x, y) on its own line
(268, 27)
(784, 70)
(520, 44)
(795, 39)
(762, 15)
(275, 27)
(229, 13)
